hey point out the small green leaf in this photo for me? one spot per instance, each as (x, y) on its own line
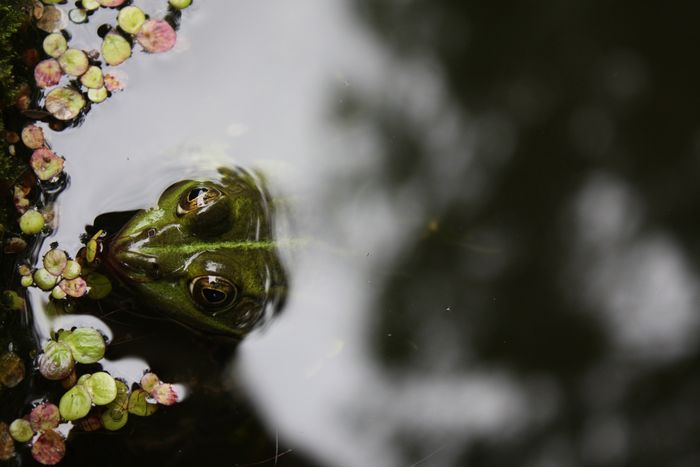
(86, 344)
(102, 388)
(75, 403)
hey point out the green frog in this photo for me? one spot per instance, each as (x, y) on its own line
(205, 254)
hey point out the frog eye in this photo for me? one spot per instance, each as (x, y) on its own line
(196, 198)
(214, 293)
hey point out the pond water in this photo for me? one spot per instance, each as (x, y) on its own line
(496, 212)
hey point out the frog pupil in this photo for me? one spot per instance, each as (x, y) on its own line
(195, 193)
(213, 296)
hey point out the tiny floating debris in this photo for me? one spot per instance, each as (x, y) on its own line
(33, 136)
(31, 222)
(47, 73)
(131, 19)
(64, 103)
(49, 448)
(113, 83)
(74, 62)
(115, 49)
(46, 163)
(156, 36)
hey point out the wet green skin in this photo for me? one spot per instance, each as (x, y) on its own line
(160, 253)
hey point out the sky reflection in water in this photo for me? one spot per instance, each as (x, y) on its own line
(499, 272)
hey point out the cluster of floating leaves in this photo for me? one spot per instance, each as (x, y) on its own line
(91, 402)
(133, 25)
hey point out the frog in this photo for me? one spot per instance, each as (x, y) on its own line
(204, 255)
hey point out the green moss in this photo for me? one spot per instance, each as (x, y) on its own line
(14, 15)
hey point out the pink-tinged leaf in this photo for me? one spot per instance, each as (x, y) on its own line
(20, 198)
(47, 73)
(64, 103)
(75, 287)
(49, 448)
(110, 3)
(113, 83)
(156, 36)
(46, 164)
(44, 417)
(164, 393)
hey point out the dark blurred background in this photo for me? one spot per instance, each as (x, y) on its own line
(561, 235)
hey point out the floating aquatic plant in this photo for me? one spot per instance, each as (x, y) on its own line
(55, 261)
(44, 417)
(21, 430)
(52, 19)
(149, 381)
(90, 5)
(11, 369)
(92, 78)
(116, 414)
(180, 4)
(75, 403)
(31, 222)
(74, 62)
(72, 270)
(110, 3)
(55, 44)
(64, 103)
(46, 163)
(97, 95)
(98, 284)
(49, 448)
(102, 388)
(86, 344)
(56, 363)
(47, 73)
(44, 279)
(131, 19)
(139, 405)
(7, 447)
(156, 35)
(78, 15)
(33, 136)
(115, 49)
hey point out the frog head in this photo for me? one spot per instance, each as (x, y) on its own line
(205, 254)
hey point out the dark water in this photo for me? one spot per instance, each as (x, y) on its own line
(499, 209)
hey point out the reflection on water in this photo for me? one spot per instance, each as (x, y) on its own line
(500, 207)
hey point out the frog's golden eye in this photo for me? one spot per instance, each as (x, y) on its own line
(196, 198)
(213, 293)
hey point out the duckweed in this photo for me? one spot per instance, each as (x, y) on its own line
(131, 19)
(75, 403)
(33, 136)
(102, 388)
(92, 78)
(49, 448)
(156, 36)
(55, 45)
(44, 417)
(46, 163)
(31, 222)
(86, 344)
(55, 261)
(56, 362)
(97, 95)
(47, 73)
(74, 62)
(64, 103)
(21, 430)
(115, 49)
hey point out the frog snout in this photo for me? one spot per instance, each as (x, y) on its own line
(129, 261)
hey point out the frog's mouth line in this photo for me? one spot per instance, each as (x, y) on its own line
(130, 265)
